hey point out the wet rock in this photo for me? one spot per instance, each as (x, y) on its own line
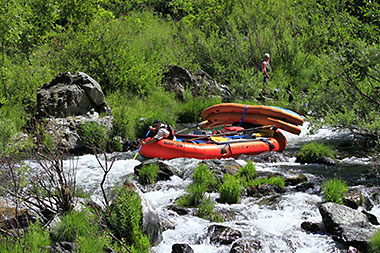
(164, 172)
(12, 218)
(292, 181)
(353, 198)
(303, 187)
(225, 166)
(268, 157)
(62, 247)
(223, 235)
(181, 248)
(178, 79)
(371, 218)
(318, 160)
(310, 226)
(347, 225)
(179, 210)
(263, 190)
(245, 246)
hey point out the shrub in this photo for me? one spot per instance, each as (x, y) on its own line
(334, 189)
(125, 219)
(248, 172)
(231, 190)
(374, 245)
(313, 151)
(277, 181)
(195, 193)
(206, 210)
(94, 136)
(34, 239)
(203, 175)
(148, 174)
(75, 224)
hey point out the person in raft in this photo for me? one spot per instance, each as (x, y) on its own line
(265, 68)
(161, 130)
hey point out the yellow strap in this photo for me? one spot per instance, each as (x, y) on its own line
(264, 133)
(216, 138)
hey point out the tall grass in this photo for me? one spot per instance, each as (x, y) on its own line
(374, 245)
(312, 151)
(230, 191)
(334, 189)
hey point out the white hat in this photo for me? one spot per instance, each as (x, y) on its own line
(267, 56)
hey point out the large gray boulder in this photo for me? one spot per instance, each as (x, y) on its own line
(348, 226)
(70, 95)
(69, 101)
(178, 79)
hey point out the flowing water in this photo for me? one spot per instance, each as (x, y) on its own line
(276, 226)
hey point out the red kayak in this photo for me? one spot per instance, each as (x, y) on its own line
(207, 147)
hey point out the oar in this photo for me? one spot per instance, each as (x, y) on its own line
(141, 145)
(193, 126)
(232, 132)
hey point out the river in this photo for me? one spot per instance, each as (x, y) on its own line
(276, 226)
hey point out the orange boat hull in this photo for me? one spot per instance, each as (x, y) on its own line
(219, 119)
(168, 149)
(238, 109)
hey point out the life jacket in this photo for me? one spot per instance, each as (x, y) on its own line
(267, 64)
(170, 129)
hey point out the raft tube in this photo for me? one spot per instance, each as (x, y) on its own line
(242, 110)
(219, 119)
(168, 149)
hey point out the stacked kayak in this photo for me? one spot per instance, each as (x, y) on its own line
(264, 136)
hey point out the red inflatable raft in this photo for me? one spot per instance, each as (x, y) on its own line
(228, 146)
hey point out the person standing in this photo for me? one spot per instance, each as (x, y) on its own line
(265, 68)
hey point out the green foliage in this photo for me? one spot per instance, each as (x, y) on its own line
(206, 210)
(248, 172)
(93, 135)
(125, 219)
(374, 245)
(73, 225)
(34, 239)
(195, 193)
(203, 175)
(277, 181)
(133, 115)
(191, 109)
(311, 152)
(230, 191)
(334, 189)
(324, 55)
(148, 174)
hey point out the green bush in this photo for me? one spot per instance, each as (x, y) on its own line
(277, 181)
(148, 174)
(125, 219)
(34, 239)
(195, 193)
(248, 172)
(203, 175)
(334, 189)
(374, 245)
(206, 210)
(313, 151)
(134, 115)
(230, 191)
(94, 136)
(75, 224)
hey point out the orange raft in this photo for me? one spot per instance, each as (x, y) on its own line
(219, 119)
(240, 109)
(168, 149)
